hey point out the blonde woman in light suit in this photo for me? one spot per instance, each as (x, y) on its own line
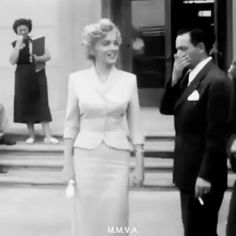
(99, 101)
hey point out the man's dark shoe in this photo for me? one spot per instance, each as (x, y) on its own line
(6, 141)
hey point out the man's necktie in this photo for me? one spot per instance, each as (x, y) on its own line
(184, 80)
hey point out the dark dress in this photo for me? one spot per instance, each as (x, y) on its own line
(31, 96)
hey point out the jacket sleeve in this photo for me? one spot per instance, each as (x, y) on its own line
(134, 116)
(217, 118)
(232, 124)
(171, 94)
(72, 119)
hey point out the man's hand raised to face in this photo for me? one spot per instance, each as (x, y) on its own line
(180, 63)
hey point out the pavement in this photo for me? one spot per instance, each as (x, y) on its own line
(35, 211)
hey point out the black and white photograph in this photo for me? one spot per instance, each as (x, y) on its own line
(118, 117)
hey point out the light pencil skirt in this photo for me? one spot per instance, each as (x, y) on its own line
(100, 203)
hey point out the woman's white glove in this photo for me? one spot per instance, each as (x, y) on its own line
(70, 189)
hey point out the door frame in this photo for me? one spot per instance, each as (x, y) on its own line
(222, 27)
(168, 39)
(119, 11)
(223, 32)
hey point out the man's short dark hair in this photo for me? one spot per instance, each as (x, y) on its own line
(22, 21)
(198, 35)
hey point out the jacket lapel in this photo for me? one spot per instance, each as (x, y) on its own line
(112, 79)
(194, 84)
(93, 79)
(102, 87)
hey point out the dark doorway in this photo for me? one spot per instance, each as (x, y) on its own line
(196, 13)
(210, 15)
(192, 14)
(153, 65)
(149, 66)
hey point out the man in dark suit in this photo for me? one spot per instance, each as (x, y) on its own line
(199, 97)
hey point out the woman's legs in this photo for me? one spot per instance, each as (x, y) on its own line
(46, 130)
(31, 138)
(48, 138)
(3, 119)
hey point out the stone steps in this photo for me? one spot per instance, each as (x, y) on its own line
(162, 148)
(41, 164)
(153, 148)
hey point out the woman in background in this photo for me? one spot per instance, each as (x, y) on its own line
(99, 101)
(31, 97)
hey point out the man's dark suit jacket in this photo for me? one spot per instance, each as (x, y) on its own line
(232, 130)
(201, 128)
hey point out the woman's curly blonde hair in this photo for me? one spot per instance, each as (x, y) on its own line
(93, 32)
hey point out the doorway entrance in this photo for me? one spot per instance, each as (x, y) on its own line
(155, 24)
(214, 16)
